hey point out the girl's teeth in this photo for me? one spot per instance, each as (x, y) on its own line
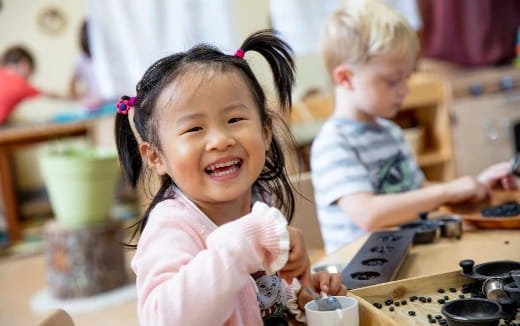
(226, 172)
(222, 165)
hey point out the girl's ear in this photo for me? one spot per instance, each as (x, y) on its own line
(153, 158)
(268, 134)
(342, 76)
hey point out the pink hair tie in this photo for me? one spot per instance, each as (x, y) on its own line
(124, 104)
(240, 53)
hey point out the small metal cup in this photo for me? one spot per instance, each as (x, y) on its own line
(493, 288)
(450, 226)
(331, 268)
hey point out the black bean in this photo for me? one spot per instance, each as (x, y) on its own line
(429, 299)
(422, 299)
(429, 316)
(508, 209)
(461, 296)
(391, 308)
(403, 302)
(397, 303)
(432, 321)
(446, 297)
(378, 305)
(389, 302)
(438, 317)
(440, 290)
(411, 313)
(441, 301)
(453, 290)
(413, 298)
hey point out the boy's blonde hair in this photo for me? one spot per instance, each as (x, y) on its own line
(362, 29)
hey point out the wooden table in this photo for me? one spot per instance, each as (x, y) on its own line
(13, 137)
(443, 255)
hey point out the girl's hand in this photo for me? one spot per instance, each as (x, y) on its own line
(298, 265)
(498, 176)
(331, 284)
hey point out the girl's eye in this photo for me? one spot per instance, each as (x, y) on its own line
(194, 129)
(233, 120)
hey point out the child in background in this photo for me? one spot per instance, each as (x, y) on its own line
(17, 65)
(210, 243)
(364, 174)
(84, 85)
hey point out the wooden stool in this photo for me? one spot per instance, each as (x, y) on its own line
(84, 261)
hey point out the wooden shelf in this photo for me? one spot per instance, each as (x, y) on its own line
(426, 106)
(432, 158)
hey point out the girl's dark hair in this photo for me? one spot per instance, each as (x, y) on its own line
(84, 39)
(164, 71)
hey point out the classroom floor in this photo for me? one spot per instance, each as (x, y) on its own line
(22, 277)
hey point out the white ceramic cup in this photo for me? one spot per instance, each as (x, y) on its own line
(348, 315)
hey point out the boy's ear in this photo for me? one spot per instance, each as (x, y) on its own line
(342, 77)
(153, 158)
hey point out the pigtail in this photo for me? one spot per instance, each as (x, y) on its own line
(128, 149)
(279, 56)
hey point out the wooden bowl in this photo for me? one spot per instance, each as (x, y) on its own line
(470, 212)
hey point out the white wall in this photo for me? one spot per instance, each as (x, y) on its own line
(55, 56)
(254, 15)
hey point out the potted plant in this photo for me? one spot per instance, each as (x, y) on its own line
(81, 184)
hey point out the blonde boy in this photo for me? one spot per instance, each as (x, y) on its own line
(364, 174)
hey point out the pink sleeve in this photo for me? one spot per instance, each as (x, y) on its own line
(180, 284)
(291, 293)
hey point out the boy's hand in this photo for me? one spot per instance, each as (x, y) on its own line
(331, 284)
(465, 189)
(298, 264)
(498, 176)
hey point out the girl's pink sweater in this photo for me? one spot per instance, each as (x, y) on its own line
(191, 272)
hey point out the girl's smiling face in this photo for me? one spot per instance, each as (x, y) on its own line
(212, 142)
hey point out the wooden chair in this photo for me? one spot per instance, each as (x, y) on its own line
(57, 317)
(305, 217)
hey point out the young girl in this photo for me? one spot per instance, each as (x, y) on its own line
(210, 244)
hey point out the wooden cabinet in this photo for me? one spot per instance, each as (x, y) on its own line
(426, 107)
(486, 117)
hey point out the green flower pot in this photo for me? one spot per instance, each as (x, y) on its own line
(81, 184)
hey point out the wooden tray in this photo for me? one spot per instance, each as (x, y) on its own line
(470, 212)
(425, 286)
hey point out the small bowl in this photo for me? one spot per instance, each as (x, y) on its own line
(498, 268)
(514, 292)
(515, 274)
(425, 231)
(477, 312)
(331, 268)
